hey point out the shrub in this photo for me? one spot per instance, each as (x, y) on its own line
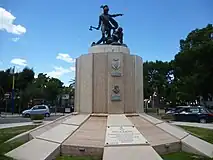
(167, 117)
(37, 117)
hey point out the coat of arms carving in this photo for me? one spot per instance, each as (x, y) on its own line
(116, 93)
(116, 68)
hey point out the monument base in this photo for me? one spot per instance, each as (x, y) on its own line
(107, 136)
(109, 80)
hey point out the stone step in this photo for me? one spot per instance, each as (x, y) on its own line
(43, 128)
(173, 130)
(35, 149)
(130, 152)
(59, 133)
(77, 119)
(161, 141)
(151, 119)
(197, 146)
(118, 120)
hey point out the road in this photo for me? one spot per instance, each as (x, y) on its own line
(9, 125)
(5, 120)
(201, 125)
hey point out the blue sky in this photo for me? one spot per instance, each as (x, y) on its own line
(48, 35)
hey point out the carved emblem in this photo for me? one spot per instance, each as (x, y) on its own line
(116, 93)
(116, 64)
(116, 89)
(116, 68)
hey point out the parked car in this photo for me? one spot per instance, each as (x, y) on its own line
(37, 109)
(176, 109)
(194, 114)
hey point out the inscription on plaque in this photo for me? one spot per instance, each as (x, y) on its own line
(116, 68)
(124, 135)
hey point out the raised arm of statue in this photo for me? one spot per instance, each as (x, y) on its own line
(115, 15)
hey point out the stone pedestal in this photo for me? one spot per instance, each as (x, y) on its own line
(109, 80)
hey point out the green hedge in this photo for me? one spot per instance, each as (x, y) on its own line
(167, 117)
(37, 117)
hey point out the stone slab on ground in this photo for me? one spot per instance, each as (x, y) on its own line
(118, 120)
(151, 119)
(76, 119)
(43, 128)
(90, 134)
(198, 145)
(130, 152)
(153, 134)
(35, 150)
(173, 130)
(124, 135)
(59, 133)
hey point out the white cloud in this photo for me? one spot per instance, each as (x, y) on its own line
(72, 69)
(58, 72)
(15, 39)
(19, 61)
(7, 23)
(65, 57)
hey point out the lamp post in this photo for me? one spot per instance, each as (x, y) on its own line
(19, 106)
(13, 89)
(6, 97)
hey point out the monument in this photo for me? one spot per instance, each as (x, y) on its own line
(108, 24)
(108, 121)
(108, 78)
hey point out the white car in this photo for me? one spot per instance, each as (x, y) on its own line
(37, 109)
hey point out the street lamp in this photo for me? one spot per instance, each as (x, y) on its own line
(12, 71)
(6, 97)
(153, 99)
(19, 107)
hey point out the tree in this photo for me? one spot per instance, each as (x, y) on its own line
(189, 75)
(193, 65)
(157, 78)
(24, 78)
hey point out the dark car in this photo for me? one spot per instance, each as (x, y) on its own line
(194, 114)
(177, 109)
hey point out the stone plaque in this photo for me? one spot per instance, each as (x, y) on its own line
(116, 93)
(124, 135)
(116, 68)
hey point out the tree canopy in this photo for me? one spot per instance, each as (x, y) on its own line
(189, 75)
(27, 87)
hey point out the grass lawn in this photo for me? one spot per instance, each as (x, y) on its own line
(77, 158)
(183, 156)
(8, 133)
(202, 133)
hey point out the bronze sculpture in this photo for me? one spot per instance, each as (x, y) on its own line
(108, 24)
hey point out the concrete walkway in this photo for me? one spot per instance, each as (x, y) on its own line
(9, 125)
(201, 125)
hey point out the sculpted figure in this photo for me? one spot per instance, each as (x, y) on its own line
(106, 23)
(117, 36)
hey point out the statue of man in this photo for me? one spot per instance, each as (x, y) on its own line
(107, 23)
